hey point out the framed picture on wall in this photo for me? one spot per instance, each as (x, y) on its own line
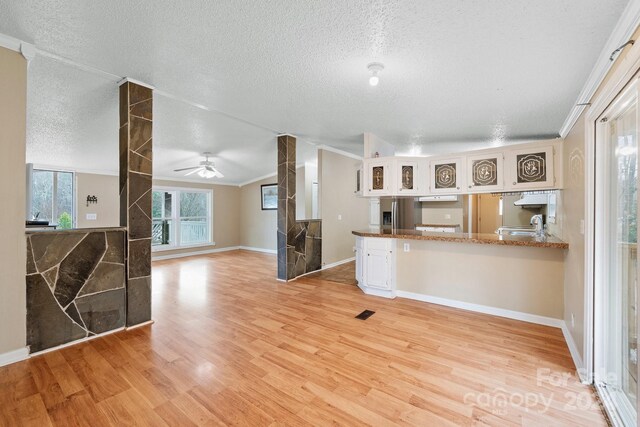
(269, 196)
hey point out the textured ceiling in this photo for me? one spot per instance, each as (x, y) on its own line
(455, 72)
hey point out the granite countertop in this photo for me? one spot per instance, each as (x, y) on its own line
(487, 239)
(438, 225)
(73, 230)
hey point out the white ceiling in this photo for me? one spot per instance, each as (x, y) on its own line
(457, 74)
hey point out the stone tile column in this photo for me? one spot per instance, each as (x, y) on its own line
(136, 148)
(299, 242)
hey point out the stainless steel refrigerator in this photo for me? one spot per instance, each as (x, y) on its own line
(400, 213)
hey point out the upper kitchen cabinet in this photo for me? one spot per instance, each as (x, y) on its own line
(447, 176)
(485, 173)
(357, 189)
(530, 168)
(379, 177)
(410, 176)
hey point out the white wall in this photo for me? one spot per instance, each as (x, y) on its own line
(105, 188)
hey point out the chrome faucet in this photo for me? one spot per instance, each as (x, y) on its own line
(537, 221)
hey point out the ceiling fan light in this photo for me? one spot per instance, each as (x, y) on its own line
(206, 173)
(374, 80)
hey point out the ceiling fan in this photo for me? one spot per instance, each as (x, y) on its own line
(206, 169)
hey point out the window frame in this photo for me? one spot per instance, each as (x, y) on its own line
(74, 189)
(175, 218)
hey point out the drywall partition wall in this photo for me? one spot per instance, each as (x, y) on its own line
(341, 210)
(258, 228)
(573, 208)
(106, 210)
(13, 111)
(226, 215)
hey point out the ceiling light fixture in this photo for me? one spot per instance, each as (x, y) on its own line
(374, 68)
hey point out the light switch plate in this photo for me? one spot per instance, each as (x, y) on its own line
(407, 248)
(92, 217)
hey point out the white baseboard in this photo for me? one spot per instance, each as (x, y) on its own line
(378, 292)
(193, 253)
(501, 312)
(337, 263)
(575, 354)
(263, 250)
(14, 356)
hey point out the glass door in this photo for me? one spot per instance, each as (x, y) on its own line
(616, 342)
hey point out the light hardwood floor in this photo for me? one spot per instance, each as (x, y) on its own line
(232, 346)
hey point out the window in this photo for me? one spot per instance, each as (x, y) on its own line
(52, 197)
(181, 218)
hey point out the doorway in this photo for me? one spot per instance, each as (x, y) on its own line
(616, 261)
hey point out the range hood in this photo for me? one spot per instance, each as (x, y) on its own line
(532, 200)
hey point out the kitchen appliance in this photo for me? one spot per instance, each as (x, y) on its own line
(406, 212)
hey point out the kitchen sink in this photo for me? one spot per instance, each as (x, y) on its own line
(516, 231)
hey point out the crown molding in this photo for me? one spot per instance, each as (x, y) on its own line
(624, 29)
(338, 151)
(134, 81)
(260, 178)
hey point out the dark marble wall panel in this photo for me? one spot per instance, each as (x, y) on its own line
(299, 242)
(136, 165)
(75, 285)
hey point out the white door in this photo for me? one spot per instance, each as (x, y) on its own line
(379, 177)
(408, 177)
(616, 260)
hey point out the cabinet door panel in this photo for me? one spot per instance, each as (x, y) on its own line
(485, 172)
(408, 177)
(447, 176)
(531, 168)
(377, 269)
(379, 177)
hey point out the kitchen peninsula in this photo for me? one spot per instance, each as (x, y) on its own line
(519, 277)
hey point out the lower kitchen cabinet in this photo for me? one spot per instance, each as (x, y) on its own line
(375, 266)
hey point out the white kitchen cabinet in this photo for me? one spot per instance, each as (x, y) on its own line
(485, 173)
(375, 265)
(530, 168)
(447, 176)
(357, 190)
(410, 176)
(379, 177)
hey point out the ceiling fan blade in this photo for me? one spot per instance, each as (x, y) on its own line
(219, 174)
(194, 171)
(186, 169)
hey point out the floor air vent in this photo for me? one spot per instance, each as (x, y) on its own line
(365, 315)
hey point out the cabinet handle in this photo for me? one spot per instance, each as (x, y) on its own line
(457, 188)
(514, 183)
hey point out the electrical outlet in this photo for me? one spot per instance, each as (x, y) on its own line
(407, 248)
(92, 217)
(447, 216)
(573, 321)
(339, 217)
(582, 226)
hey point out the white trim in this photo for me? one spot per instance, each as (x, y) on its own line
(624, 29)
(617, 81)
(165, 248)
(260, 178)
(139, 325)
(263, 250)
(286, 134)
(501, 312)
(10, 43)
(136, 82)
(384, 293)
(338, 151)
(14, 356)
(337, 263)
(69, 344)
(575, 354)
(193, 253)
